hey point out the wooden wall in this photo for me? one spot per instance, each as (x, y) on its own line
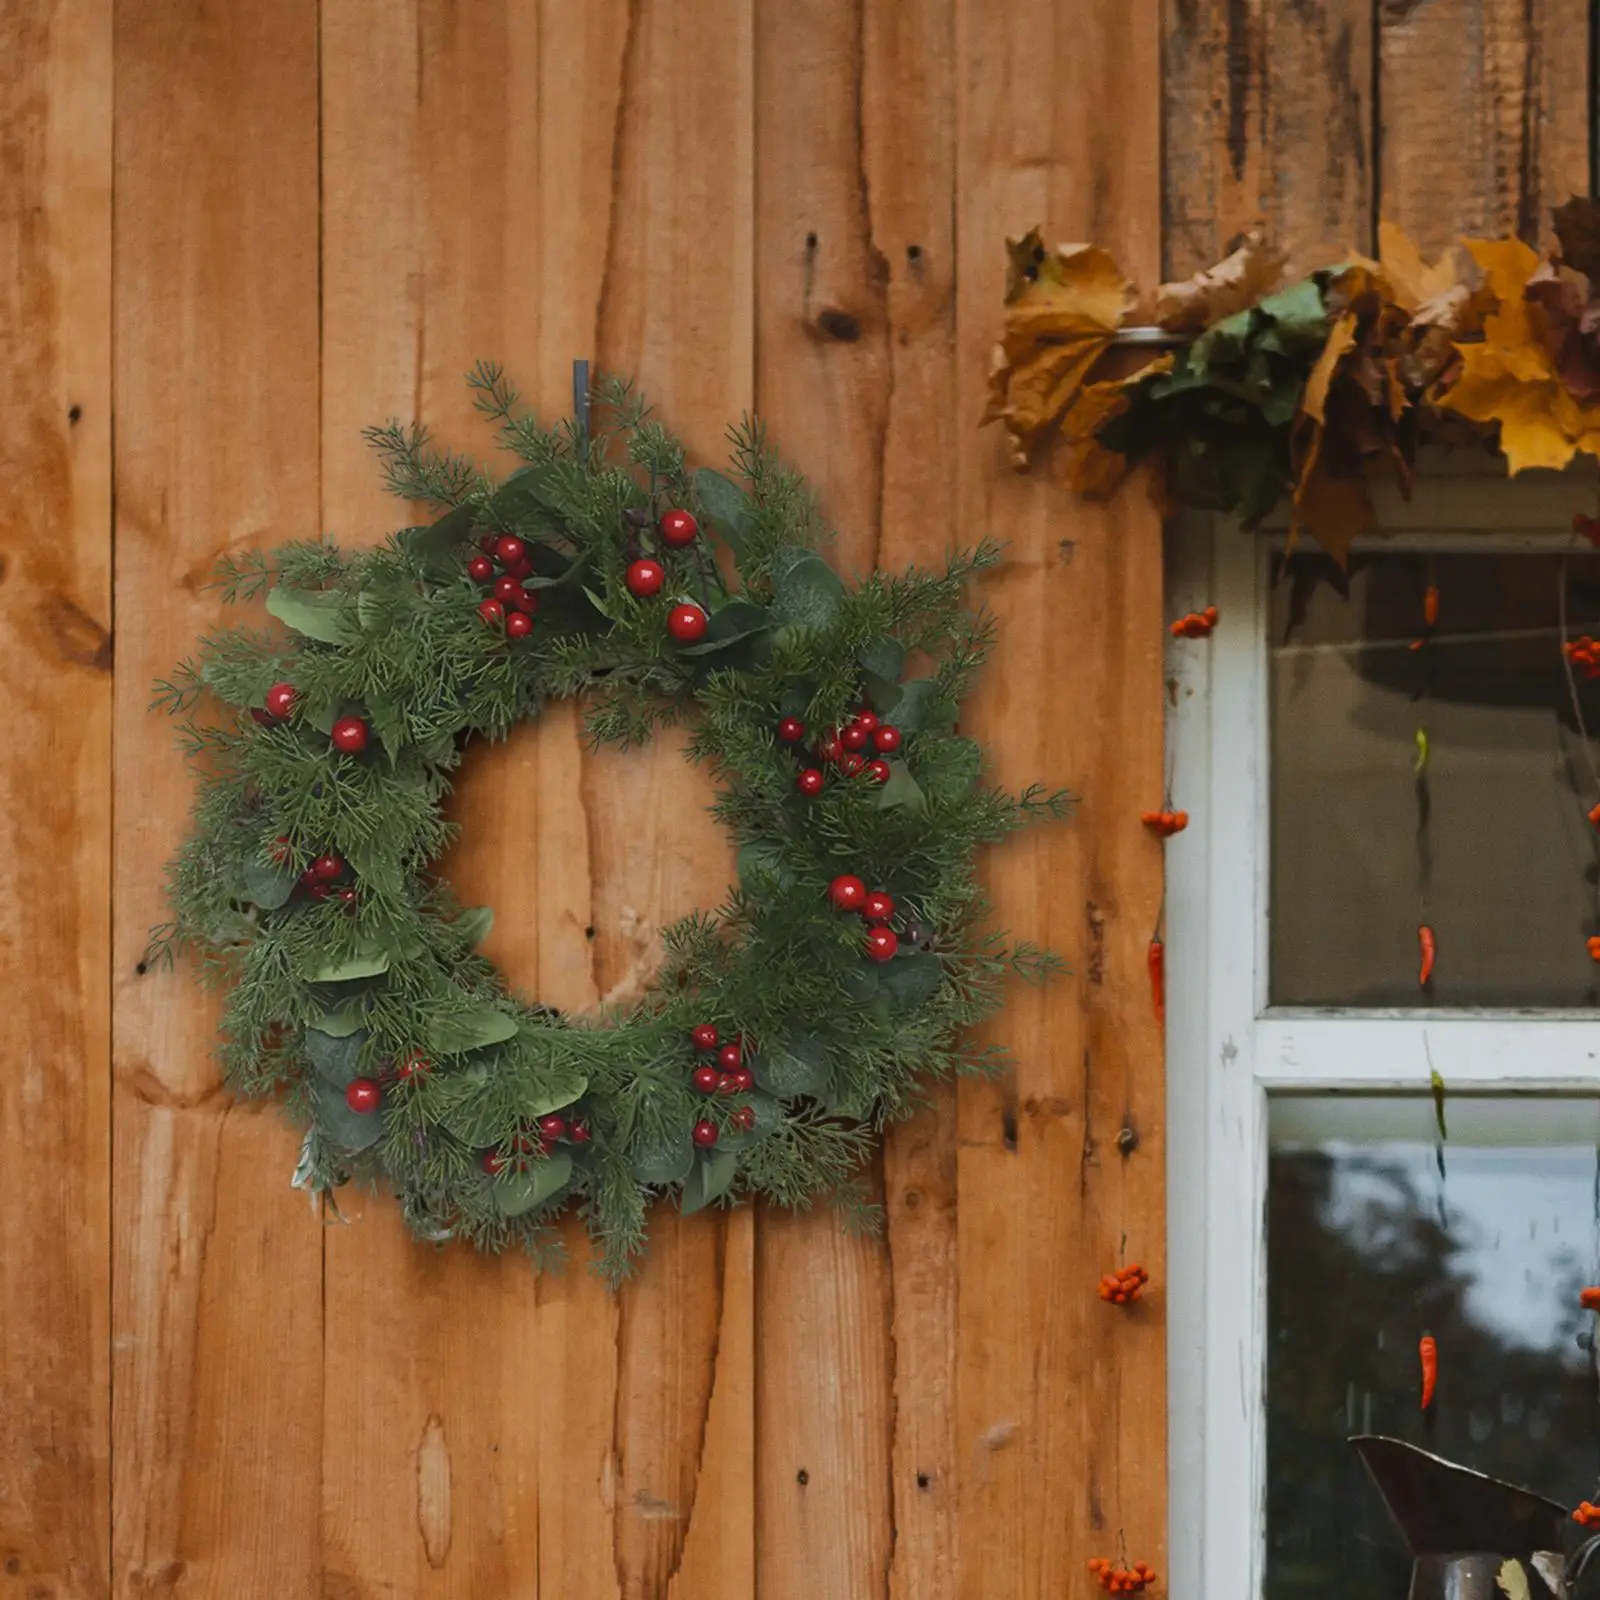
(232, 235)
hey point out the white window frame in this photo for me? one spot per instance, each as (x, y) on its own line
(1228, 1050)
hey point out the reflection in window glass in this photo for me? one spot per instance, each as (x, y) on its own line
(1488, 843)
(1379, 1232)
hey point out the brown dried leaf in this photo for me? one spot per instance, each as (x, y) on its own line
(1577, 226)
(1412, 282)
(1092, 469)
(1335, 510)
(1253, 271)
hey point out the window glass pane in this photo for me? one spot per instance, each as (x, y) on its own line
(1379, 1232)
(1480, 832)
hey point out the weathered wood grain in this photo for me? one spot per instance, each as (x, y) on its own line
(1268, 123)
(55, 841)
(1061, 1427)
(217, 1266)
(1484, 113)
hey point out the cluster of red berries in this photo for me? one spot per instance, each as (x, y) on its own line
(646, 577)
(1584, 652)
(1195, 624)
(1165, 823)
(1587, 1514)
(1123, 1580)
(552, 1128)
(348, 734)
(508, 605)
(366, 1094)
(857, 748)
(1119, 1287)
(849, 893)
(722, 1071)
(321, 879)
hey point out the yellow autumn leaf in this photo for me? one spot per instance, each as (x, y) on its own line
(1063, 306)
(1412, 282)
(1341, 340)
(1509, 378)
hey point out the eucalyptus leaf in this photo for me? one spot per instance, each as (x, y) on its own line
(439, 545)
(317, 613)
(456, 1032)
(922, 706)
(267, 884)
(666, 1162)
(709, 1179)
(950, 767)
(340, 1024)
(518, 1192)
(901, 790)
(762, 866)
(363, 964)
(910, 979)
(727, 625)
(769, 1117)
(795, 1064)
(884, 658)
(599, 604)
(474, 923)
(807, 595)
(557, 1087)
(336, 1057)
(727, 505)
(351, 1130)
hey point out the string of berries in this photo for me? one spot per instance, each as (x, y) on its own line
(1123, 1286)
(1584, 652)
(1122, 1580)
(1195, 624)
(1164, 823)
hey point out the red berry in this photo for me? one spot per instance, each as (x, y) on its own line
(745, 1118)
(519, 569)
(492, 612)
(705, 1134)
(809, 781)
(830, 749)
(877, 907)
(854, 737)
(280, 700)
(507, 590)
(487, 542)
(518, 625)
(878, 770)
(350, 735)
(326, 868)
(730, 1058)
(493, 1163)
(579, 1133)
(704, 1036)
(686, 623)
(282, 848)
(480, 568)
(678, 528)
(415, 1065)
(866, 721)
(509, 549)
(317, 891)
(743, 1080)
(847, 892)
(526, 600)
(552, 1125)
(881, 944)
(791, 730)
(850, 763)
(728, 1083)
(706, 1079)
(645, 578)
(887, 739)
(363, 1095)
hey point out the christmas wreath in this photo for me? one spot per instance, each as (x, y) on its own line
(783, 1029)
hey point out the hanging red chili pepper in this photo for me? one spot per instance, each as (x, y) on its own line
(1425, 942)
(1428, 1351)
(1430, 604)
(1156, 961)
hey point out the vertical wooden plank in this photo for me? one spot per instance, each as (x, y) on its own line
(604, 1444)
(55, 676)
(216, 1295)
(1061, 1428)
(1268, 122)
(1484, 107)
(855, 355)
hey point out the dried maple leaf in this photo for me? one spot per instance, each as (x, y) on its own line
(1412, 282)
(1093, 469)
(1062, 308)
(1512, 377)
(1252, 272)
(1577, 226)
(1568, 317)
